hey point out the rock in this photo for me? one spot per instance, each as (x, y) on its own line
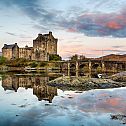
(86, 83)
(22, 106)
(120, 117)
(47, 104)
(120, 77)
(70, 97)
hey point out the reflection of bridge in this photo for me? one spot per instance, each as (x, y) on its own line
(89, 66)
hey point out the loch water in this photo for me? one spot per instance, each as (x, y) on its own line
(29, 101)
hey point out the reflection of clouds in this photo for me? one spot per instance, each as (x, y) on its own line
(91, 108)
(45, 114)
(114, 101)
(103, 101)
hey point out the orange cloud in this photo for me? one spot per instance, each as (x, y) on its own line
(113, 25)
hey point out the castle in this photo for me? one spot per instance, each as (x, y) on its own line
(43, 46)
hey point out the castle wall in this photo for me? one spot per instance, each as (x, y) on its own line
(52, 46)
(15, 52)
(40, 49)
(7, 53)
(10, 51)
(25, 53)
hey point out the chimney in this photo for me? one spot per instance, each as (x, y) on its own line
(50, 33)
(26, 46)
(39, 34)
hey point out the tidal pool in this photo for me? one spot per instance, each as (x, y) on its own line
(28, 101)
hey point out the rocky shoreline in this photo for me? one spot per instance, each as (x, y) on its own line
(90, 83)
(121, 118)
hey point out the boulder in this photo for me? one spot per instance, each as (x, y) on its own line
(119, 77)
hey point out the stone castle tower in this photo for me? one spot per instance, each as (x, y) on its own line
(43, 46)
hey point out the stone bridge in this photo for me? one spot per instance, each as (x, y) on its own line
(92, 66)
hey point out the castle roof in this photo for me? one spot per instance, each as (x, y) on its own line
(44, 36)
(9, 46)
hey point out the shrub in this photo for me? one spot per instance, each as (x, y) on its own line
(19, 62)
(54, 57)
(74, 57)
(34, 64)
(42, 64)
(2, 60)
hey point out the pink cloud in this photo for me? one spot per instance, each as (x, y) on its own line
(99, 24)
(72, 30)
(113, 25)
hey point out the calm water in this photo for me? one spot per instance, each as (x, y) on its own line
(28, 101)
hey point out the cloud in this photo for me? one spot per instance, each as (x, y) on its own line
(30, 7)
(19, 35)
(37, 11)
(24, 36)
(95, 24)
(10, 33)
(111, 50)
(118, 46)
(80, 20)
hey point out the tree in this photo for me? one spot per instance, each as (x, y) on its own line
(74, 57)
(54, 57)
(2, 60)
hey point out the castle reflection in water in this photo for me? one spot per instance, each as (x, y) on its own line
(38, 83)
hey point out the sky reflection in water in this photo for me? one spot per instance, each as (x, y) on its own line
(68, 108)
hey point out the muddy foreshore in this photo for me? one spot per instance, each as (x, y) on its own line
(86, 83)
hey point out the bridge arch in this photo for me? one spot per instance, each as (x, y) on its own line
(73, 66)
(95, 66)
(82, 66)
(83, 69)
(123, 67)
(73, 69)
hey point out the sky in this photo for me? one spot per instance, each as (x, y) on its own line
(85, 27)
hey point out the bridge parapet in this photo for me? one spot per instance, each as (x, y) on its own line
(98, 66)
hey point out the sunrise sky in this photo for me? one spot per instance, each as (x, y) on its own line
(89, 27)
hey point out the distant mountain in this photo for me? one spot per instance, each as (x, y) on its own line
(113, 57)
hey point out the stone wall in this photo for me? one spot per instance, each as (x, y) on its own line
(15, 52)
(7, 53)
(52, 44)
(40, 49)
(25, 53)
(10, 51)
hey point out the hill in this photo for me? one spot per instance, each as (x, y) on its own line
(113, 57)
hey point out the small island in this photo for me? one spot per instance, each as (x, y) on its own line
(78, 71)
